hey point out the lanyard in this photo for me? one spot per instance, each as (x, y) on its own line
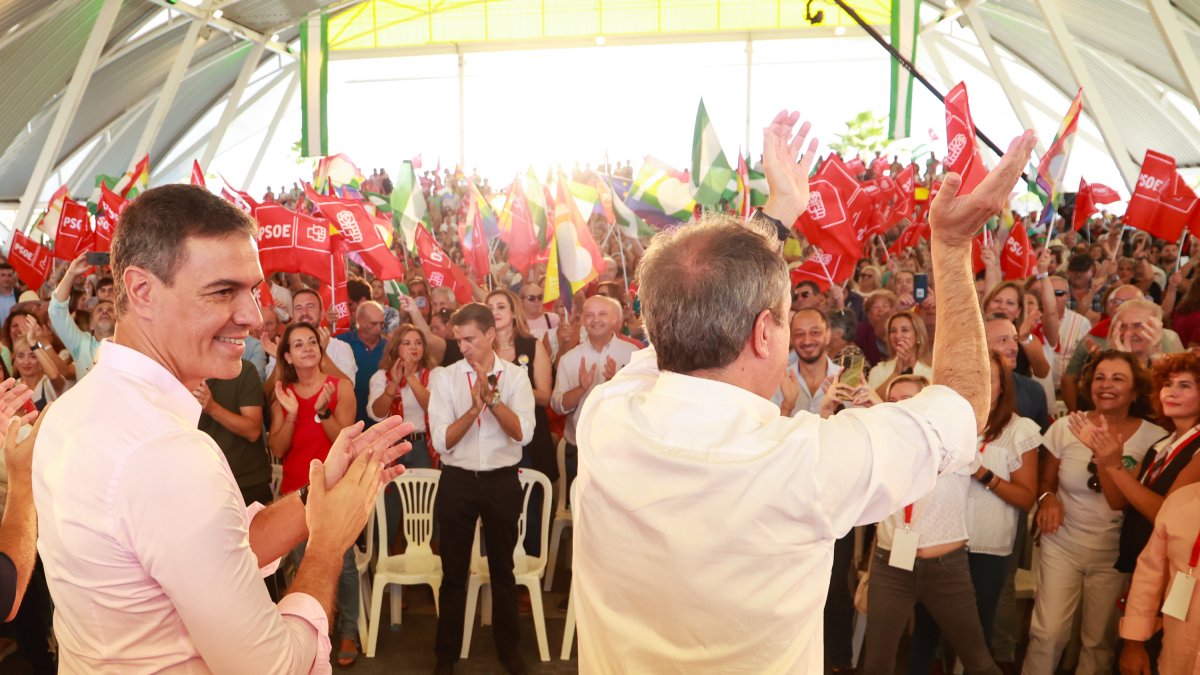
(1195, 559)
(471, 394)
(908, 519)
(1164, 460)
(982, 448)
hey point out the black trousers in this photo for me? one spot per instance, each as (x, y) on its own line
(464, 496)
(839, 606)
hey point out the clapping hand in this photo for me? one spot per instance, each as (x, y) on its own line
(14, 398)
(586, 375)
(381, 440)
(204, 395)
(610, 368)
(1106, 448)
(287, 401)
(325, 396)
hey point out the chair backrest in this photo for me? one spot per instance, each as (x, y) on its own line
(418, 492)
(561, 510)
(530, 478)
(276, 478)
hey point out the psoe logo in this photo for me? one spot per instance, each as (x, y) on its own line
(955, 148)
(436, 279)
(318, 232)
(816, 205)
(348, 226)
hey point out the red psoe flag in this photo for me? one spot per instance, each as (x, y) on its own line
(335, 293)
(439, 270)
(1017, 260)
(824, 269)
(357, 229)
(108, 213)
(74, 233)
(1162, 204)
(1087, 198)
(276, 238)
(30, 260)
(962, 155)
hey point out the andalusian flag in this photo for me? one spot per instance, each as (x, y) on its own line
(710, 169)
(135, 181)
(408, 204)
(661, 195)
(759, 190)
(314, 80)
(1053, 167)
(906, 23)
(535, 194)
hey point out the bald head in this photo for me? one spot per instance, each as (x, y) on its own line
(369, 320)
(601, 316)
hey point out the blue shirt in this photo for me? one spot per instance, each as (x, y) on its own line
(7, 301)
(368, 362)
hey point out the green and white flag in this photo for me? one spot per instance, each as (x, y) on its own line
(408, 204)
(758, 187)
(314, 81)
(711, 172)
(906, 24)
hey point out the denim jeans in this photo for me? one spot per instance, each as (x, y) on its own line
(347, 592)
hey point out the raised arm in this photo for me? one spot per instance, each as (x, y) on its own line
(960, 358)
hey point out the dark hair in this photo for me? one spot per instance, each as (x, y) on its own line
(153, 230)
(816, 289)
(617, 289)
(5, 266)
(813, 310)
(444, 314)
(311, 291)
(103, 282)
(1006, 406)
(287, 371)
(476, 312)
(358, 289)
(1140, 407)
(1160, 375)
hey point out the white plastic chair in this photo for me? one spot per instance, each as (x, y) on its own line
(569, 625)
(362, 560)
(418, 564)
(527, 569)
(562, 515)
(276, 479)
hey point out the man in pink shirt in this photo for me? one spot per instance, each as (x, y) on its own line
(153, 560)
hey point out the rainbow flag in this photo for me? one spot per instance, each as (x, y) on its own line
(1053, 166)
(486, 214)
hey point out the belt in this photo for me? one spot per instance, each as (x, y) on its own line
(416, 436)
(478, 474)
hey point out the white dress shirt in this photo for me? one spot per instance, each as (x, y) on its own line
(704, 540)
(568, 375)
(342, 355)
(485, 446)
(145, 538)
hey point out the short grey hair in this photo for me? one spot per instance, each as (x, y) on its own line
(1139, 303)
(702, 286)
(154, 229)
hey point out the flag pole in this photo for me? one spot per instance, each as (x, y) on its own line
(817, 253)
(1179, 247)
(621, 249)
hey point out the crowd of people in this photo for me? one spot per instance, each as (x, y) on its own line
(1085, 462)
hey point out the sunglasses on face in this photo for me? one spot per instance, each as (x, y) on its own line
(796, 295)
(532, 298)
(1059, 293)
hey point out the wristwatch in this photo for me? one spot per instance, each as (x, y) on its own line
(303, 492)
(322, 416)
(495, 400)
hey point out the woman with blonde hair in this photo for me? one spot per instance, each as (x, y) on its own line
(910, 347)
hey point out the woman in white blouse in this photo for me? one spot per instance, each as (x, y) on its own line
(933, 572)
(1003, 490)
(911, 350)
(1080, 531)
(401, 387)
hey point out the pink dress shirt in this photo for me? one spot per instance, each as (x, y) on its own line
(145, 539)
(1168, 551)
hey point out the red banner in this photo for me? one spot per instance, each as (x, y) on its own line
(836, 204)
(1162, 204)
(108, 212)
(74, 234)
(30, 260)
(962, 155)
(1086, 200)
(1018, 260)
(439, 270)
(357, 229)
(824, 269)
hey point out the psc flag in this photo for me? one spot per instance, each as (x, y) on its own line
(314, 81)
(439, 270)
(1053, 166)
(49, 221)
(108, 212)
(710, 170)
(906, 24)
(660, 194)
(824, 269)
(408, 204)
(74, 233)
(1162, 204)
(962, 155)
(1087, 198)
(30, 260)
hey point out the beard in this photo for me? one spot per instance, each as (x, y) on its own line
(810, 360)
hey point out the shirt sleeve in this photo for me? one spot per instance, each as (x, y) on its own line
(441, 407)
(898, 449)
(1150, 579)
(375, 389)
(566, 380)
(64, 326)
(342, 356)
(1079, 357)
(519, 399)
(1053, 441)
(180, 514)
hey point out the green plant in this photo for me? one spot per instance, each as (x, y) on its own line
(865, 134)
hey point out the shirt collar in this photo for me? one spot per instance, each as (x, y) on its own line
(705, 392)
(464, 366)
(136, 365)
(592, 347)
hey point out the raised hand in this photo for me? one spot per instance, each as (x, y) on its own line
(270, 344)
(353, 442)
(955, 219)
(786, 168)
(323, 334)
(287, 401)
(790, 387)
(14, 400)
(586, 375)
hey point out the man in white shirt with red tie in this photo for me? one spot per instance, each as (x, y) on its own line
(705, 520)
(480, 414)
(590, 363)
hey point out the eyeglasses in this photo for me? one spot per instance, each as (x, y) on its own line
(532, 298)
(1059, 293)
(796, 295)
(1093, 481)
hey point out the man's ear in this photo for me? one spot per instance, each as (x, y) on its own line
(141, 287)
(760, 336)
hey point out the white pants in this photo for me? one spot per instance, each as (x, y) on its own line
(1067, 575)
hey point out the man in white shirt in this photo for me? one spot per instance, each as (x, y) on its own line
(801, 388)
(586, 366)
(153, 560)
(706, 521)
(480, 414)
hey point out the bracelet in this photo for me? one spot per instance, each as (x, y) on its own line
(303, 492)
(1042, 496)
(1040, 275)
(987, 477)
(993, 483)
